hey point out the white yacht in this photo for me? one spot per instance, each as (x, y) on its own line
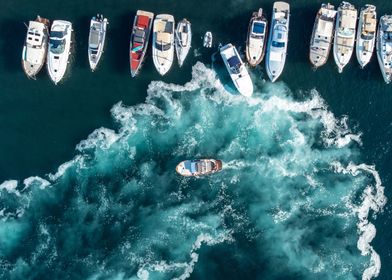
(35, 46)
(321, 41)
(59, 49)
(346, 22)
(163, 43)
(96, 40)
(256, 39)
(237, 70)
(278, 39)
(183, 40)
(366, 35)
(384, 47)
(207, 41)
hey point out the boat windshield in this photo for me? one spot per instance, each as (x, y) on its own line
(57, 34)
(367, 36)
(162, 47)
(388, 36)
(277, 44)
(258, 28)
(234, 64)
(57, 45)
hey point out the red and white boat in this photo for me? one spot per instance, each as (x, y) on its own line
(139, 39)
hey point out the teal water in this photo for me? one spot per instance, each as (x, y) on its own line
(302, 158)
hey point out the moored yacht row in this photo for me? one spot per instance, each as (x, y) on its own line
(54, 47)
(338, 29)
(341, 26)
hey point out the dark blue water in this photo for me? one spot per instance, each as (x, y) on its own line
(302, 158)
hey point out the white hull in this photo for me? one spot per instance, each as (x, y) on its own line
(366, 36)
(207, 40)
(278, 39)
(163, 43)
(322, 35)
(35, 47)
(384, 47)
(344, 35)
(237, 70)
(183, 40)
(59, 49)
(256, 39)
(96, 41)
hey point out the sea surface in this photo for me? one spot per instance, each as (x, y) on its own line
(87, 182)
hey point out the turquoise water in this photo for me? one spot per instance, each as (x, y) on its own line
(305, 159)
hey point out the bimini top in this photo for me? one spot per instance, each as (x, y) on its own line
(235, 64)
(94, 35)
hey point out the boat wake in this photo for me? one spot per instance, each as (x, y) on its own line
(293, 193)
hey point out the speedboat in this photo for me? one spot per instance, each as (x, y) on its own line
(35, 46)
(139, 39)
(200, 167)
(207, 41)
(59, 49)
(183, 40)
(321, 41)
(366, 36)
(237, 70)
(163, 43)
(346, 22)
(278, 38)
(257, 34)
(96, 40)
(384, 47)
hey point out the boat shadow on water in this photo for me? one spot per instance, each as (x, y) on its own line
(11, 48)
(117, 47)
(79, 57)
(221, 73)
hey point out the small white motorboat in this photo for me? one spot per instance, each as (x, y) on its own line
(96, 40)
(207, 41)
(384, 47)
(35, 46)
(322, 35)
(256, 39)
(278, 39)
(237, 70)
(366, 35)
(163, 43)
(59, 49)
(183, 40)
(200, 167)
(344, 41)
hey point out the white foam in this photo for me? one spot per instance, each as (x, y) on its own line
(373, 198)
(336, 131)
(10, 186)
(102, 138)
(64, 167)
(36, 180)
(196, 52)
(163, 266)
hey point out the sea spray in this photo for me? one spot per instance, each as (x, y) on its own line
(293, 198)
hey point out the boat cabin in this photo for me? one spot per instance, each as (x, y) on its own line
(234, 64)
(258, 29)
(35, 34)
